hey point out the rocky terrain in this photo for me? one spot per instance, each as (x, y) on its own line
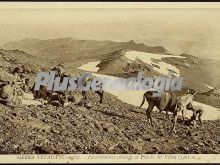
(111, 127)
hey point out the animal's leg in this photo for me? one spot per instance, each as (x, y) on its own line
(100, 93)
(148, 112)
(175, 116)
(194, 121)
(195, 124)
(62, 101)
(183, 115)
(199, 117)
(167, 115)
(84, 95)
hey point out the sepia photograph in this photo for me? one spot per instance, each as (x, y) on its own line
(109, 82)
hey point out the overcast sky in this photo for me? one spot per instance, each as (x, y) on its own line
(195, 31)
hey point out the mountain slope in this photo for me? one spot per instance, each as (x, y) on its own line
(113, 127)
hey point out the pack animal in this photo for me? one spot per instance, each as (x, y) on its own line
(168, 102)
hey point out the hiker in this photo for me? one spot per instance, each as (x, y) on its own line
(25, 85)
(42, 93)
(56, 100)
(99, 92)
(197, 113)
(53, 98)
(6, 94)
(59, 69)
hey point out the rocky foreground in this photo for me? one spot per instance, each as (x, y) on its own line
(112, 127)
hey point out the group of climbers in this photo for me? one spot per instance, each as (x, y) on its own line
(19, 88)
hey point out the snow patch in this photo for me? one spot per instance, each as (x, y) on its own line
(147, 58)
(209, 86)
(90, 66)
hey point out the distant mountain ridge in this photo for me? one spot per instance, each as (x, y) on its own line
(69, 46)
